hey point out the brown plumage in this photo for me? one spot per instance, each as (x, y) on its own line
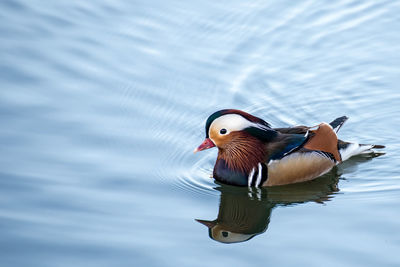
(242, 152)
(324, 139)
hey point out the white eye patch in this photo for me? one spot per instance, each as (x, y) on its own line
(232, 123)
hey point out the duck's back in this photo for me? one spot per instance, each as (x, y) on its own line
(316, 157)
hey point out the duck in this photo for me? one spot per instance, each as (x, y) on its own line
(252, 153)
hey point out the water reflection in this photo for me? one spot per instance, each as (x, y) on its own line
(245, 212)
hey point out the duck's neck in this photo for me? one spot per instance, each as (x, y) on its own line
(244, 155)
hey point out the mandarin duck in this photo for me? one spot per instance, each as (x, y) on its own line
(251, 153)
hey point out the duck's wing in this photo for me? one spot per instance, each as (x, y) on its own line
(316, 155)
(293, 130)
(285, 144)
(323, 138)
(336, 124)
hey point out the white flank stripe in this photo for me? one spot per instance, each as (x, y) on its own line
(250, 179)
(259, 174)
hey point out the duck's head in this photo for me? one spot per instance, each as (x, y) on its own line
(220, 233)
(227, 125)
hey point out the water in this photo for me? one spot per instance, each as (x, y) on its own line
(102, 104)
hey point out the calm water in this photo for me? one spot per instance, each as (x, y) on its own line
(103, 102)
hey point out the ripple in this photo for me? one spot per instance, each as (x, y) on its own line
(188, 172)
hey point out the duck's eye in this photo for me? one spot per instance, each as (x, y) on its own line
(225, 234)
(222, 131)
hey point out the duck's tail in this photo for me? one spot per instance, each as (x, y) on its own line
(347, 150)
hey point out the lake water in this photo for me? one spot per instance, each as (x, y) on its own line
(103, 102)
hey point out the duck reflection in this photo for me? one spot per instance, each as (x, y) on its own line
(245, 212)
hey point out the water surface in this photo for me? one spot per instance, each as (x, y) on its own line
(102, 104)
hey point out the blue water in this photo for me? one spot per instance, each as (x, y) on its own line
(103, 102)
